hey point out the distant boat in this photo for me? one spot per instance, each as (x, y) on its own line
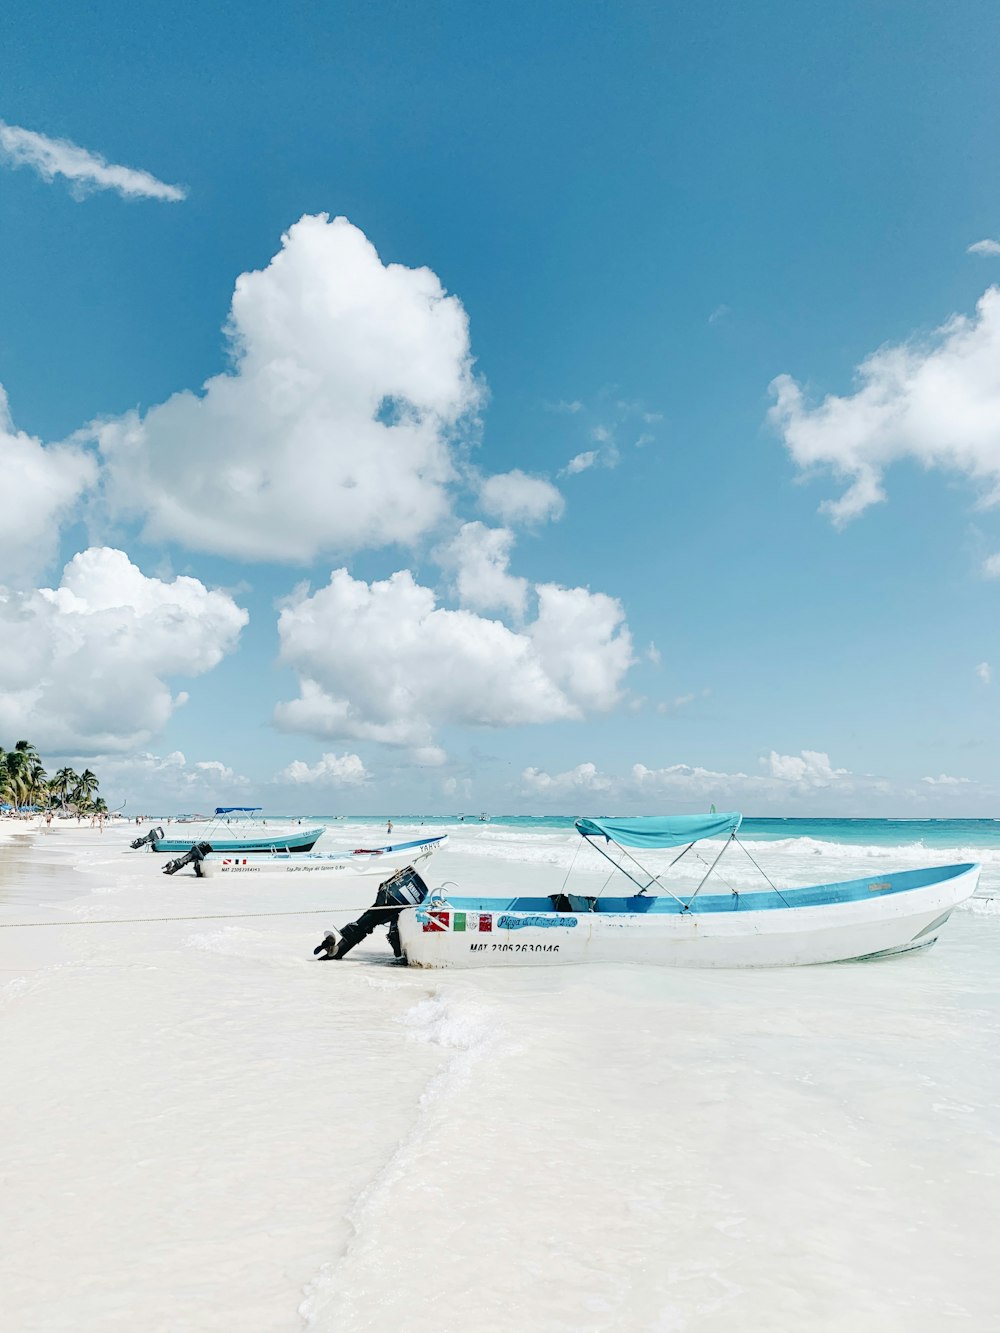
(234, 829)
(827, 923)
(382, 861)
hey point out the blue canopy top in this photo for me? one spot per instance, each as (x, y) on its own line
(237, 809)
(660, 830)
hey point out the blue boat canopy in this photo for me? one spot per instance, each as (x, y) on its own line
(237, 809)
(661, 830)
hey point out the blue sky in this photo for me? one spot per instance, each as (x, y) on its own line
(635, 219)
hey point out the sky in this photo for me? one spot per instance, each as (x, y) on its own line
(438, 408)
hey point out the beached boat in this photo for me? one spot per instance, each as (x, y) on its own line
(862, 918)
(234, 828)
(380, 861)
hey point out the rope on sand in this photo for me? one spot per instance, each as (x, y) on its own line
(208, 916)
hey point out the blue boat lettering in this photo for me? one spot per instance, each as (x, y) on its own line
(519, 922)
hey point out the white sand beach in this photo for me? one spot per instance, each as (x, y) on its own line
(205, 1129)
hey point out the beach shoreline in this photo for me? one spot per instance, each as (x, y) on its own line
(212, 1130)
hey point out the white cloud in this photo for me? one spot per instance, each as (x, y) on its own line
(146, 780)
(84, 666)
(384, 662)
(807, 781)
(40, 486)
(333, 770)
(85, 170)
(809, 766)
(720, 313)
(682, 700)
(936, 403)
(335, 428)
(570, 408)
(514, 497)
(986, 247)
(653, 654)
(984, 672)
(991, 567)
(480, 557)
(583, 778)
(580, 462)
(218, 774)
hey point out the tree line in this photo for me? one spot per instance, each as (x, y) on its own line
(23, 781)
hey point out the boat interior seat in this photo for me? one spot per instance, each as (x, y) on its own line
(573, 902)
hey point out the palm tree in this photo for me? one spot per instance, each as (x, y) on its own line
(86, 788)
(62, 784)
(23, 774)
(36, 786)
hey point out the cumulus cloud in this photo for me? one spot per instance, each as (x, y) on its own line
(991, 567)
(812, 766)
(803, 780)
(84, 666)
(935, 402)
(41, 484)
(384, 662)
(583, 778)
(334, 429)
(985, 672)
(987, 247)
(148, 780)
(85, 171)
(514, 497)
(332, 770)
(479, 557)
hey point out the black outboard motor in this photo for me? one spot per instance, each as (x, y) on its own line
(197, 854)
(403, 889)
(150, 838)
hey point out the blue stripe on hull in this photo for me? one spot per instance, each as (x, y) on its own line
(819, 895)
(300, 842)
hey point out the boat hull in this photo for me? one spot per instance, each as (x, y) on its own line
(890, 918)
(302, 840)
(382, 862)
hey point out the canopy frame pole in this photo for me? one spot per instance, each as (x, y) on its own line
(730, 839)
(763, 872)
(641, 887)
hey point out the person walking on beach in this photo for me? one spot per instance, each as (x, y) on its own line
(388, 827)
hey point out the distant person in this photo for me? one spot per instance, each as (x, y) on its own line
(388, 827)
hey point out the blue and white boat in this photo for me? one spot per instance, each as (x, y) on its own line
(234, 828)
(772, 927)
(382, 860)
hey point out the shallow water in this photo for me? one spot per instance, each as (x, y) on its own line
(207, 1130)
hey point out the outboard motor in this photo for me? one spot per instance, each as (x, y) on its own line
(197, 854)
(403, 889)
(150, 838)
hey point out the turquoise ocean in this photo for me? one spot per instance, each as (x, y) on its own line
(984, 833)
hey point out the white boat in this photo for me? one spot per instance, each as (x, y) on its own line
(857, 919)
(382, 860)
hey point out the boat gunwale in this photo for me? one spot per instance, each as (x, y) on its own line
(871, 888)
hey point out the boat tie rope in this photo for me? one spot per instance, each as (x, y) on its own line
(205, 916)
